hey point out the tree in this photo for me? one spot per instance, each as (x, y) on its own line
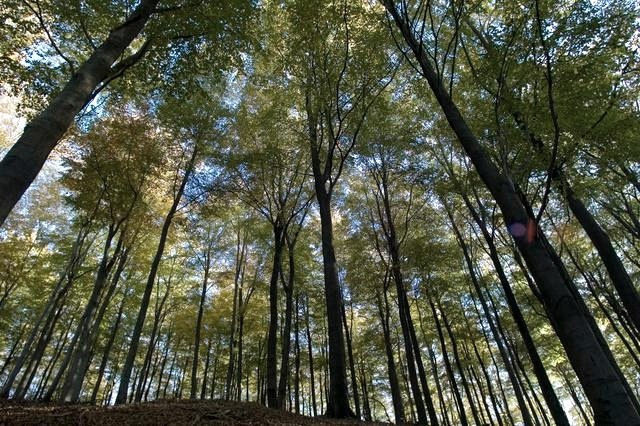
(583, 343)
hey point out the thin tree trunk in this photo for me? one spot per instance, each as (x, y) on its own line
(456, 357)
(352, 369)
(312, 384)
(447, 364)
(80, 362)
(272, 343)
(205, 375)
(107, 349)
(240, 259)
(123, 388)
(396, 397)
(196, 346)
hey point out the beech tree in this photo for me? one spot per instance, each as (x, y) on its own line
(420, 212)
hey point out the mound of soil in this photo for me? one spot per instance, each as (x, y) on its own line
(158, 413)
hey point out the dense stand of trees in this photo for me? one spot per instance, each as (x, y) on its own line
(413, 211)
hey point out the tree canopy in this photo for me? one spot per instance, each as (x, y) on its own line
(407, 211)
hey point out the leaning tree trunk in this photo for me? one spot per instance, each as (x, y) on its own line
(80, 360)
(23, 162)
(125, 377)
(605, 388)
(546, 387)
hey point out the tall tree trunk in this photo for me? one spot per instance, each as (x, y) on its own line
(158, 320)
(312, 381)
(414, 356)
(338, 398)
(605, 388)
(352, 369)
(23, 162)
(396, 397)
(196, 345)
(286, 332)
(297, 359)
(546, 387)
(125, 377)
(205, 374)
(456, 358)
(107, 349)
(239, 265)
(80, 360)
(272, 342)
(447, 364)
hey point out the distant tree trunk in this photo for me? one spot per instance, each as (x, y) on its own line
(526, 417)
(365, 394)
(165, 358)
(46, 375)
(297, 360)
(456, 357)
(196, 346)
(546, 387)
(23, 162)
(214, 373)
(288, 315)
(352, 369)
(36, 357)
(272, 343)
(107, 349)
(158, 320)
(487, 379)
(396, 397)
(240, 365)
(80, 361)
(312, 383)
(205, 374)
(125, 377)
(38, 333)
(240, 259)
(447, 364)
(434, 370)
(412, 348)
(17, 340)
(598, 373)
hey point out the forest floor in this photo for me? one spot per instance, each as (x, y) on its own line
(170, 412)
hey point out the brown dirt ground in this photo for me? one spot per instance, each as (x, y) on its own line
(158, 413)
